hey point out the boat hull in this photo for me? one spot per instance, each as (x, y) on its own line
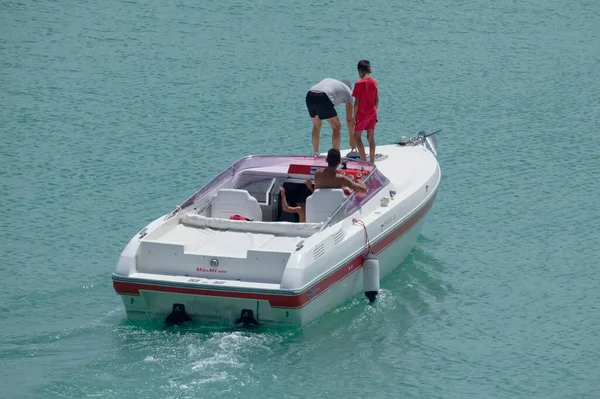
(147, 300)
(294, 279)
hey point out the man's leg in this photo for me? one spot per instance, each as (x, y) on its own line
(371, 138)
(316, 132)
(336, 128)
(351, 136)
(359, 145)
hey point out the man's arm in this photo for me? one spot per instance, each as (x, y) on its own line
(359, 186)
(350, 124)
(356, 185)
(349, 117)
(310, 185)
(356, 102)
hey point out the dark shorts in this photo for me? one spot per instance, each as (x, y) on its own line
(320, 105)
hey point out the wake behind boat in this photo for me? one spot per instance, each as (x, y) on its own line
(230, 252)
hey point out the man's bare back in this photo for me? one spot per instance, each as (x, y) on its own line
(328, 177)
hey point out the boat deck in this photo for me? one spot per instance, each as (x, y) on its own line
(213, 242)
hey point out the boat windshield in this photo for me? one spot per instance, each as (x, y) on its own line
(374, 182)
(261, 171)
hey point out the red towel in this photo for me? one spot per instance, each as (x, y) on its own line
(239, 217)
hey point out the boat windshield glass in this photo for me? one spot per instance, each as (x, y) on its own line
(374, 182)
(261, 167)
(225, 179)
(260, 172)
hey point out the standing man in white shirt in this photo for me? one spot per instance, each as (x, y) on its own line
(321, 101)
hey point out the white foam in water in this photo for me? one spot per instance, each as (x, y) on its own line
(222, 376)
(219, 358)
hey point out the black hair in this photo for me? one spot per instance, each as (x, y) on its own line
(333, 157)
(364, 66)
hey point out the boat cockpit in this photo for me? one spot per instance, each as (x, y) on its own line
(250, 187)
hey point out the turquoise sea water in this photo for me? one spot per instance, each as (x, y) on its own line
(113, 112)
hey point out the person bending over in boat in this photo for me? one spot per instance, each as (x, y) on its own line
(321, 101)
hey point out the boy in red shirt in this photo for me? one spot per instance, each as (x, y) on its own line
(365, 109)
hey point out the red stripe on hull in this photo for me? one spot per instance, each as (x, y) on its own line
(126, 288)
(281, 300)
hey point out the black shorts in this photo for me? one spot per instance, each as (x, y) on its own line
(319, 104)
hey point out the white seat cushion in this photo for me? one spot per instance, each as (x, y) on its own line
(322, 203)
(228, 202)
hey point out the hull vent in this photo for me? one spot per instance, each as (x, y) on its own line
(339, 236)
(319, 251)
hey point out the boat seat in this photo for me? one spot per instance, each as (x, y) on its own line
(322, 203)
(228, 202)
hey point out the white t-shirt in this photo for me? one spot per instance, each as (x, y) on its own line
(336, 90)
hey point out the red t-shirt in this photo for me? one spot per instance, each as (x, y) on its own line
(366, 90)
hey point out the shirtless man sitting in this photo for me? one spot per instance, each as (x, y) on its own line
(324, 178)
(328, 177)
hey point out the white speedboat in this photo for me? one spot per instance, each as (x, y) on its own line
(204, 262)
